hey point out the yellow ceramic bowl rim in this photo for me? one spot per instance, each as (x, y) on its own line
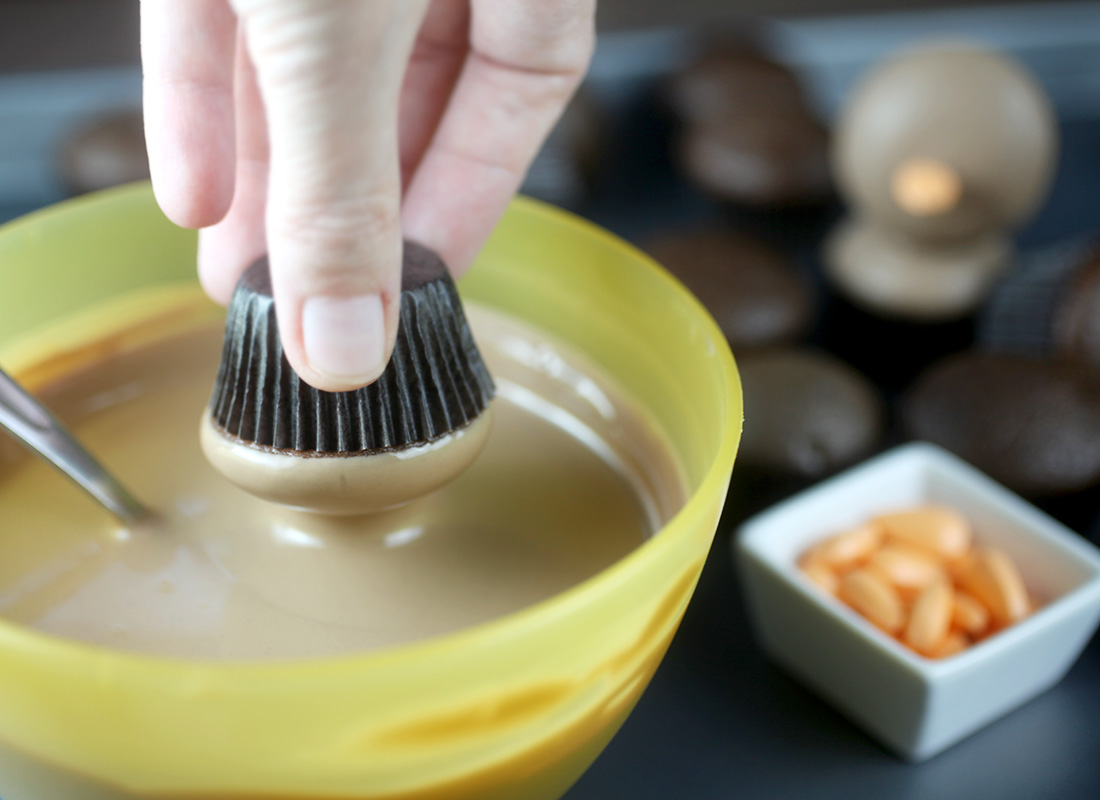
(712, 489)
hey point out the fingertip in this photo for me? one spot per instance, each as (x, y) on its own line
(455, 225)
(460, 256)
(221, 261)
(186, 211)
(228, 248)
(193, 192)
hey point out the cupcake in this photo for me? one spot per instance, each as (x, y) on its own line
(414, 429)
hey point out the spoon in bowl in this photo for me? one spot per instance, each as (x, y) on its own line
(35, 427)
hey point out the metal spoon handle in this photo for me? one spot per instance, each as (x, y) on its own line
(34, 426)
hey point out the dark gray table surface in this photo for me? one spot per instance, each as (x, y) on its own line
(719, 720)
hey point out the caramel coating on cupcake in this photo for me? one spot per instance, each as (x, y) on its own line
(345, 484)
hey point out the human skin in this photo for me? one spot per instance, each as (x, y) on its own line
(321, 132)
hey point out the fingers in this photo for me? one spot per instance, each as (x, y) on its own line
(187, 55)
(330, 72)
(526, 60)
(437, 58)
(226, 249)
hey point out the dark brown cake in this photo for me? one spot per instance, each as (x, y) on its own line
(758, 160)
(807, 414)
(108, 152)
(1077, 316)
(731, 82)
(748, 135)
(1033, 425)
(753, 292)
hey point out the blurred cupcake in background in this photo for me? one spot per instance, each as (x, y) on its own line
(747, 134)
(105, 151)
(807, 413)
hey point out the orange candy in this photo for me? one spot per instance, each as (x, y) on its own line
(939, 530)
(970, 615)
(909, 569)
(849, 548)
(954, 642)
(822, 574)
(874, 598)
(994, 580)
(930, 619)
(915, 575)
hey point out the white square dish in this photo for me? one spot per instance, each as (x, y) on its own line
(916, 706)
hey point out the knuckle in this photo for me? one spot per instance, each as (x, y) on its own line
(337, 242)
(554, 37)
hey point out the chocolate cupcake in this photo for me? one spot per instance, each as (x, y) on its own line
(758, 160)
(748, 135)
(807, 414)
(756, 296)
(1033, 425)
(1076, 326)
(1021, 315)
(1048, 305)
(730, 82)
(108, 152)
(410, 431)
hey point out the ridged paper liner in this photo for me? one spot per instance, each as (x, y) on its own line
(1021, 314)
(435, 383)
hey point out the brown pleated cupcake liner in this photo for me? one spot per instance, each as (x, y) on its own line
(436, 381)
(1020, 315)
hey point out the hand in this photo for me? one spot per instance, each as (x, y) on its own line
(321, 131)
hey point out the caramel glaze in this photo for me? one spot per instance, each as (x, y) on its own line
(572, 478)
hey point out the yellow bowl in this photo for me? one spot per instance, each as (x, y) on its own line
(516, 708)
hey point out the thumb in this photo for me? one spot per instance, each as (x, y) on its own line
(330, 74)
